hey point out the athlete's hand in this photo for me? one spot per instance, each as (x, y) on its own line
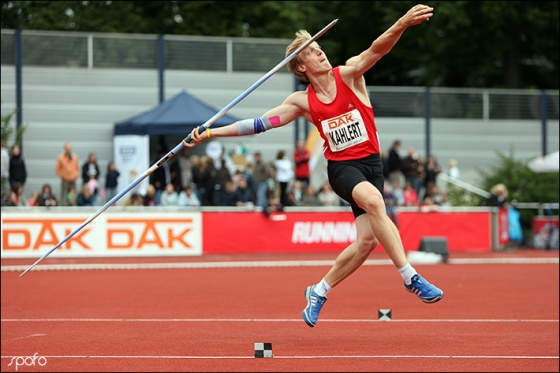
(196, 138)
(418, 14)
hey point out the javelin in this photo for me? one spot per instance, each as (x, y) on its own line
(175, 150)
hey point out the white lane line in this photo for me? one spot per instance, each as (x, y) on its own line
(248, 264)
(26, 337)
(287, 320)
(303, 357)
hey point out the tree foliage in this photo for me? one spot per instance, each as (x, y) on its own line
(523, 184)
(10, 132)
(484, 44)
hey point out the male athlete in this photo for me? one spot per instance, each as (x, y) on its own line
(336, 101)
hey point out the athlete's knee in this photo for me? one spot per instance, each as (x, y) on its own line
(367, 244)
(373, 204)
(372, 243)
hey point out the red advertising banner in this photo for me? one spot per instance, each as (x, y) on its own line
(465, 231)
(252, 232)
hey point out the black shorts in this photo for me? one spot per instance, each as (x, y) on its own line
(345, 175)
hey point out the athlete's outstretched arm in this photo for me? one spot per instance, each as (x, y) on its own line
(359, 64)
(279, 116)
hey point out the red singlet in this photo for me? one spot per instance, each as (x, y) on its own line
(346, 125)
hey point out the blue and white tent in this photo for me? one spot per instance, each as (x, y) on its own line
(175, 116)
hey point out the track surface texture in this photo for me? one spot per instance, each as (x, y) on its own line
(500, 313)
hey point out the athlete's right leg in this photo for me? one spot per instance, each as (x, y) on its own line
(350, 259)
(369, 198)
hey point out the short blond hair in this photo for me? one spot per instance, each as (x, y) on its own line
(302, 36)
(499, 189)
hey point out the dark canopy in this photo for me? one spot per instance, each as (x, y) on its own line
(175, 116)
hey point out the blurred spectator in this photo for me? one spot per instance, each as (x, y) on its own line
(246, 169)
(410, 197)
(498, 196)
(284, 175)
(295, 194)
(34, 199)
(196, 177)
(68, 170)
(453, 169)
(73, 197)
(208, 180)
(184, 161)
(224, 158)
(135, 199)
(437, 195)
(176, 177)
(169, 197)
(168, 172)
(161, 175)
(18, 171)
(16, 196)
(5, 173)
(188, 197)
(85, 197)
(385, 161)
(394, 161)
(273, 206)
(111, 181)
(410, 168)
(390, 202)
(260, 175)
(241, 173)
(301, 160)
(90, 175)
(428, 205)
(310, 196)
(150, 196)
(432, 170)
(227, 195)
(244, 194)
(46, 197)
(397, 192)
(419, 184)
(327, 196)
(271, 184)
(223, 173)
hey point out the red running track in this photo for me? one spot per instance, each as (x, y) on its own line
(495, 317)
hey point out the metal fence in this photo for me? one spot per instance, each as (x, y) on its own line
(142, 51)
(466, 103)
(206, 53)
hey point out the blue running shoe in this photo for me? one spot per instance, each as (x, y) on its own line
(314, 304)
(427, 292)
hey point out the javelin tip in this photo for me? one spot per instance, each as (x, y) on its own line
(36, 262)
(24, 272)
(31, 266)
